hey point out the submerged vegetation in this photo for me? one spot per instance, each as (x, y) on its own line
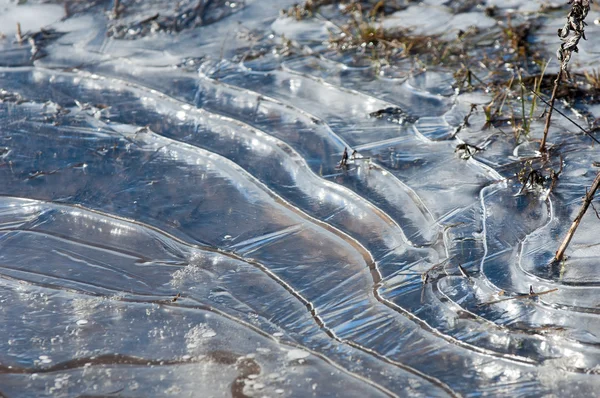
(361, 31)
(502, 61)
(374, 8)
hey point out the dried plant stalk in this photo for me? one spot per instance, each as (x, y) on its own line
(586, 203)
(576, 25)
(549, 114)
(116, 9)
(19, 35)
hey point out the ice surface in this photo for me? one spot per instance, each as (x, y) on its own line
(31, 17)
(174, 219)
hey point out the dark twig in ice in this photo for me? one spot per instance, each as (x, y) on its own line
(465, 122)
(344, 161)
(467, 150)
(589, 196)
(463, 272)
(534, 179)
(434, 271)
(554, 175)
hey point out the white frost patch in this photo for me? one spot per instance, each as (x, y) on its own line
(45, 359)
(301, 31)
(198, 335)
(192, 273)
(297, 354)
(59, 383)
(433, 20)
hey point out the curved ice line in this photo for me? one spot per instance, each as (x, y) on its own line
(80, 242)
(295, 156)
(391, 305)
(311, 308)
(484, 226)
(308, 304)
(522, 243)
(460, 343)
(449, 338)
(375, 272)
(547, 282)
(260, 183)
(411, 193)
(52, 277)
(372, 265)
(540, 303)
(384, 103)
(261, 96)
(345, 191)
(472, 159)
(282, 144)
(510, 328)
(479, 317)
(327, 84)
(167, 302)
(340, 66)
(490, 171)
(317, 317)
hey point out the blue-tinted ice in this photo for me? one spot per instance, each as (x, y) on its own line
(174, 219)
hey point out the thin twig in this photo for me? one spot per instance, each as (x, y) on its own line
(549, 114)
(463, 272)
(344, 161)
(572, 32)
(554, 175)
(586, 203)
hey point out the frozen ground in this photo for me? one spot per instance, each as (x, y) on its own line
(173, 220)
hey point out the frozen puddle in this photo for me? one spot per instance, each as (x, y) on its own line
(174, 219)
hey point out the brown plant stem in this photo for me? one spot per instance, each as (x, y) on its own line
(586, 203)
(18, 35)
(116, 9)
(549, 115)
